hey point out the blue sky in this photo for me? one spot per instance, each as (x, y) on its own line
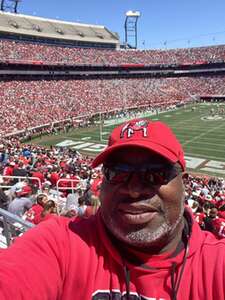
(163, 23)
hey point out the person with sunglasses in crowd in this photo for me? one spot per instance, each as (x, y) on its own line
(143, 243)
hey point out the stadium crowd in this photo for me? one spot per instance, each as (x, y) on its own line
(57, 174)
(50, 54)
(40, 102)
(60, 181)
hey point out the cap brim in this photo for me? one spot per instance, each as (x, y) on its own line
(164, 152)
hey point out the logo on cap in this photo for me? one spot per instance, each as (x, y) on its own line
(130, 128)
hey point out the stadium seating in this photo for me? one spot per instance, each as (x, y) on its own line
(15, 50)
(28, 104)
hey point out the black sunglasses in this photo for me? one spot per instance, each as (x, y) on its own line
(152, 174)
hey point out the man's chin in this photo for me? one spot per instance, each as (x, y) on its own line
(140, 239)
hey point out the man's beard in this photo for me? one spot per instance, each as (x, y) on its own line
(142, 237)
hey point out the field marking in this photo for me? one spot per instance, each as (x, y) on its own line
(214, 140)
(86, 138)
(186, 121)
(204, 156)
(197, 127)
(188, 129)
(208, 147)
(202, 134)
(191, 147)
(202, 138)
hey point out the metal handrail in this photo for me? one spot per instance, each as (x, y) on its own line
(58, 188)
(11, 223)
(20, 178)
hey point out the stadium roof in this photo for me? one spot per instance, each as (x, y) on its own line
(48, 28)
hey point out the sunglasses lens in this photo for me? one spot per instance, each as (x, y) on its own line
(119, 177)
(116, 175)
(155, 178)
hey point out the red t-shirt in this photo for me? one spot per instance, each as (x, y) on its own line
(199, 217)
(67, 260)
(39, 175)
(33, 215)
(219, 227)
(54, 177)
(221, 214)
(95, 186)
(8, 171)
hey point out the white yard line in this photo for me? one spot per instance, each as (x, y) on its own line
(197, 128)
(202, 134)
(204, 156)
(209, 149)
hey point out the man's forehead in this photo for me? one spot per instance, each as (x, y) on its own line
(135, 155)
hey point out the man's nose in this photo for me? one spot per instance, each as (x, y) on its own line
(135, 186)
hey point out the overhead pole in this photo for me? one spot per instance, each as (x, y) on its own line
(130, 26)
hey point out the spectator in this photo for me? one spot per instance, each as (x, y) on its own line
(22, 202)
(4, 200)
(143, 242)
(33, 215)
(208, 222)
(49, 211)
(92, 208)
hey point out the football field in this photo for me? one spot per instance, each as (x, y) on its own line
(199, 128)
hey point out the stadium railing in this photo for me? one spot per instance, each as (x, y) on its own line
(13, 226)
(19, 178)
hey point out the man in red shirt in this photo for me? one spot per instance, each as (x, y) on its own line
(142, 243)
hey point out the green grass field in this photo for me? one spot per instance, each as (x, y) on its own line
(202, 136)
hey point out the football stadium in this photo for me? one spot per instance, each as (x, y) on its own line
(64, 87)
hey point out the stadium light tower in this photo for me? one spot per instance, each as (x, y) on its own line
(9, 5)
(131, 27)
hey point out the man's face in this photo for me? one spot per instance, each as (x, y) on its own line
(137, 213)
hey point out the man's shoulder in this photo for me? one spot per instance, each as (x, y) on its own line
(213, 246)
(83, 225)
(59, 231)
(206, 243)
(73, 226)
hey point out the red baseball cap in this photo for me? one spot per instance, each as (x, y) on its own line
(152, 135)
(24, 191)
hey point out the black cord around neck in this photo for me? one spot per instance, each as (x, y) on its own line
(176, 285)
(127, 281)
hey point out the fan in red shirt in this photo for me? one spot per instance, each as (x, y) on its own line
(54, 175)
(96, 183)
(33, 215)
(142, 244)
(49, 211)
(219, 227)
